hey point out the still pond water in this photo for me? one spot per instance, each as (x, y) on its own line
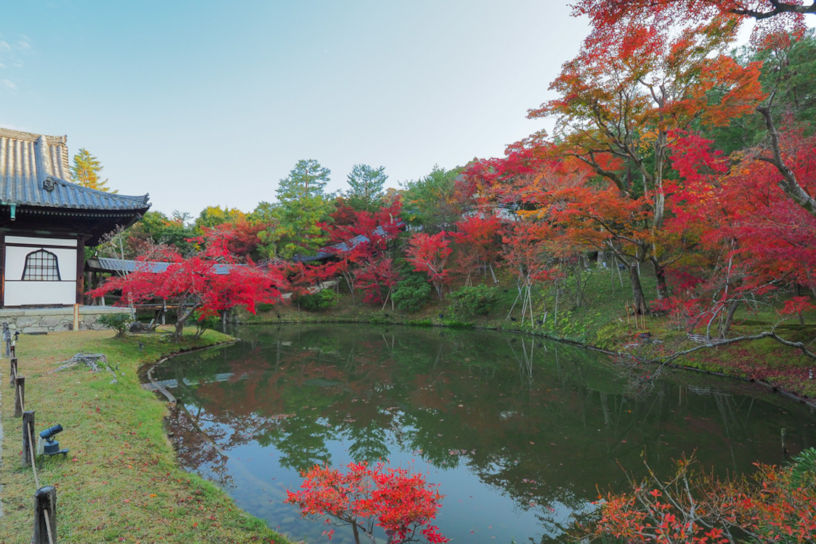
(519, 433)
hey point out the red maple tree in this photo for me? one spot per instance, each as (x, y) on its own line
(699, 509)
(477, 239)
(209, 282)
(428, 253)
(360, 238)
(364, 496)
(377, 280)
(621, 100)
(751, 237)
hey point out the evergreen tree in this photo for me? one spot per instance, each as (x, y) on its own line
(433, 201)
(85, 171)
(306, 179)
(302, 207)
(366, 187)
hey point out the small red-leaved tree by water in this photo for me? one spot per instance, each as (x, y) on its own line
(402, 504)
(210, 282)
(429, 253)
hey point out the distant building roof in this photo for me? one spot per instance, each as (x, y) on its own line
(34, 171)
(107, 264)
(341, 247)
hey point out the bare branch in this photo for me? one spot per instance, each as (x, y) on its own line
(789, 184)
(778, 9)
(713, 344)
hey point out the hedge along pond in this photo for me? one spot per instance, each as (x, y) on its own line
(518, 432)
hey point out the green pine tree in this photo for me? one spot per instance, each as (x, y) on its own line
(366, 185)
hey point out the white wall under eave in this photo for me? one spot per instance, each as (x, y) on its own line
(44, 293)
(16, 257)
(38, 240)
(39, 293)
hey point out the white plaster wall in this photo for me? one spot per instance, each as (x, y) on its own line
(19, 293)
(15, 262)
(32, 240)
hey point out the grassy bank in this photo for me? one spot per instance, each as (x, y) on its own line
(594, 312)
(120, 481)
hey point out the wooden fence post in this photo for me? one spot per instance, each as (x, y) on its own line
(19, 395)
(7, 338)
(28, 431)
(12, 370)
(45, 516)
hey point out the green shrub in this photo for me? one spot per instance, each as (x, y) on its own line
(803, 469)
(411, 293)
(210, 322)
(118, 322)
(477, 300)
(316, 302)
(420, 322)
(456, 324)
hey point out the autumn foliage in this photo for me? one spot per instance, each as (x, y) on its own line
(671, 155)
(368, 496)
(208, 283)
(697, 508)
(428, 253)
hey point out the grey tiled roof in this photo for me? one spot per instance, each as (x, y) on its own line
(34, 171)
(127, 265)
(108, 264)
(341, 247)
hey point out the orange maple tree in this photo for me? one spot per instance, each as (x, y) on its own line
(621, 100)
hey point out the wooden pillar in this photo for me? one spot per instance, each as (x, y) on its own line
(45, 516)
(28, 437)
(19, 395)
(12, 371)
(89, 284)
(80, 268)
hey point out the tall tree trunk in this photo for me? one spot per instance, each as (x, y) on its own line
(492, 273)
(179, 328)
(660, 274)
(637, 289)
(356, 532)
(182, 316)
(725, 325)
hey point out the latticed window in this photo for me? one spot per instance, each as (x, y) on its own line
(41, 265)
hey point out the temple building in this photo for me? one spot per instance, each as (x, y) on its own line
(46, 221)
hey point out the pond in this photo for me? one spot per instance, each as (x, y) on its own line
(519, 433)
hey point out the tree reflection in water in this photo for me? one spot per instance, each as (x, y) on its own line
(542, 425)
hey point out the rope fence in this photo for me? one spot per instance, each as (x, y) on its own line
(45, 498)
(31, 455)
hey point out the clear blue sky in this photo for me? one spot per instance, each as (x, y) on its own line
(211, 103)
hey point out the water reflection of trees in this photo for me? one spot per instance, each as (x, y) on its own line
(198, 449)
(543, 423)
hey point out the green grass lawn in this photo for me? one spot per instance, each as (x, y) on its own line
(120, 481)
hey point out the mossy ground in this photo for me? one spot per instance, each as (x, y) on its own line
(120, 482)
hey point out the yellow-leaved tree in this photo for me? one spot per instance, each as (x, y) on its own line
(85, 171)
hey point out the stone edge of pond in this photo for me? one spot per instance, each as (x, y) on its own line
(146, 370)
(804, 399)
